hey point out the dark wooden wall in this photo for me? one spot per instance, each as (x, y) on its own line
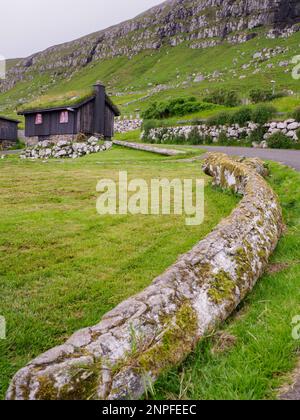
(109, 122)
(51, 124)
(8, 130)
(85, 118)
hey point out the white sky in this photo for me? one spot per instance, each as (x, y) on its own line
(29, 26)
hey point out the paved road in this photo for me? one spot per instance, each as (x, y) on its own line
(288, 157)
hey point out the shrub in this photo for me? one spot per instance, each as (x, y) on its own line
(280, 141)
(223, 118)
(208, 140)
(175, 107)
(257, 135)
(296, 114)
(242, 116)
(262, 114)
(195, 137)
(223, 139)
(228, 98)
(147, 126)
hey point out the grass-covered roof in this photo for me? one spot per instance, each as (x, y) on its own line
(67, 99)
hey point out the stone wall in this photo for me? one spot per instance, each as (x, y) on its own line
(53, 139)
(235, 132)
(7, 144)
(160, 326)
(125, 125)
(64, 149)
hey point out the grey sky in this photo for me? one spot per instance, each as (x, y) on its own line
(28, 26)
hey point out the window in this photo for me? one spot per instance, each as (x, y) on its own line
(38, 119)
(64, 117)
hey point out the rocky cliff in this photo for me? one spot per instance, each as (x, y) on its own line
(198, 23)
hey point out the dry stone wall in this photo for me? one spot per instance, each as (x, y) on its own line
(64, 149)
(234, 132)
(160, 326)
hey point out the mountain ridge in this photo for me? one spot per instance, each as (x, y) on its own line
(199, 23)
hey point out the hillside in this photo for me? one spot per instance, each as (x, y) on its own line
(180, 47)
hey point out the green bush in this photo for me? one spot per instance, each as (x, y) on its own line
(261, 95)
(223, 139)
(280, 141)
(296, 114)
(257, 135)
(242, 116)
(225, 97)
(263, 113)
(195, 137)
(174, 107)
(223, 118)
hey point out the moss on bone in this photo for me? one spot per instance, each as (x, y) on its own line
(178, 340)
(222, 287)
(78, 388)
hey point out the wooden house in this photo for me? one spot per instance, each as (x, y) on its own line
(8, 132)
(92, 115)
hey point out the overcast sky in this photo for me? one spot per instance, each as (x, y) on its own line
(29, 26)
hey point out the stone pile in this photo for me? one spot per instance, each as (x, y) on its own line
(123, 126)
(65, 149)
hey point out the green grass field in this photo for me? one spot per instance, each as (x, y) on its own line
(62, 266)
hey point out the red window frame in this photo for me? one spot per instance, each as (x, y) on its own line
(64, 117)
(39, 119)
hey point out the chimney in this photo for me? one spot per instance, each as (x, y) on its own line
(99, 113)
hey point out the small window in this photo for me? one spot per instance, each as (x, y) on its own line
(64, 117)
(39, 119)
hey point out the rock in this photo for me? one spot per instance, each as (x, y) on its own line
(199, 78)
(257, 55)
(293, 126)
(282, 125)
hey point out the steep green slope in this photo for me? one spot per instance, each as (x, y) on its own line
(171, 72)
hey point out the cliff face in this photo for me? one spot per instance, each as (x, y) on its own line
(199, 23)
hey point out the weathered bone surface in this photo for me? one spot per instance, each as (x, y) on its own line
(149, 148)
(159, 327)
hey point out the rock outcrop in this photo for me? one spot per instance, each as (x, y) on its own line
(160, 326)
(200, 23)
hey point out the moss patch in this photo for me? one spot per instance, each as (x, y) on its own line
(177, 341)
(222, 287)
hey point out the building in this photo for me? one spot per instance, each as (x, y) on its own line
(93, 114)
(8, 132)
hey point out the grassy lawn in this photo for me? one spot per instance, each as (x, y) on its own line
(62, 266)
(256, 350)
